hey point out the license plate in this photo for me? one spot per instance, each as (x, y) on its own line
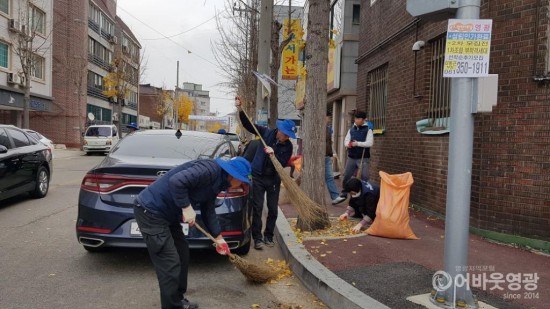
(134, 229)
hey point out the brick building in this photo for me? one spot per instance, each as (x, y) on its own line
(406, 97)
(83, 35)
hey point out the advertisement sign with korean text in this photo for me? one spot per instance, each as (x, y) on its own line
(468, 47)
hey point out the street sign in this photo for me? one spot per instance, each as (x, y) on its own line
(467, 48)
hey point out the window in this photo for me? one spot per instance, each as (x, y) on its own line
(37, 19)
(19, 138)
(5, 6)
(336, 19)
(378, 97)
(4, 139)
(356, 17)
(4, 53)
(440, 88)
(38, 65)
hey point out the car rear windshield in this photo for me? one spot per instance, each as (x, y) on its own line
(99, 131)
(168, 146)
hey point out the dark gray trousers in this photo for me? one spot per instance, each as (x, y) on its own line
(169, 252)
(270, 187)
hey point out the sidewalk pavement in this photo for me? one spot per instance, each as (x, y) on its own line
(362, 271)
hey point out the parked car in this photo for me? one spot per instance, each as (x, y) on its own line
(100, 138)
(42, 139)
(25, 164)
(108, 191)
(236, 141)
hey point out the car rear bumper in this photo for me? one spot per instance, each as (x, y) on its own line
(102, 225)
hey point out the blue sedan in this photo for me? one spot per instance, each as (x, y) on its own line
(108, 191)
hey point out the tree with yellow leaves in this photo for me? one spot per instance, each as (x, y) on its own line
(213, 127)
(165, 105)
(117, 85)
(185, 108)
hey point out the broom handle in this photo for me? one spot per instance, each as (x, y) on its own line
(207, 235)
(254, 126)
(360, 171)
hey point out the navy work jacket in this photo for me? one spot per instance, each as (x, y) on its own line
(196, 182)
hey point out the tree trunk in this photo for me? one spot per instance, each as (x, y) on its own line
(314, 133)
(274, 74)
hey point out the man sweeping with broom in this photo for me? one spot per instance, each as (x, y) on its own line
(158, 211)
(265, 180)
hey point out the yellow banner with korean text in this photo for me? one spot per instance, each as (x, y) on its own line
(289, 61)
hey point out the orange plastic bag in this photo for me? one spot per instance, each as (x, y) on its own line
(392, 212)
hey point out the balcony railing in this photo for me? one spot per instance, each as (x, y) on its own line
(93, 25)
(96, 92)
(99, 62)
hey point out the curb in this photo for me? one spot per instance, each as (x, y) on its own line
(329, 288)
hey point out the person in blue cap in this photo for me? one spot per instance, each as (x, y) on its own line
(132, 127)
(159, 208)
(265, 180)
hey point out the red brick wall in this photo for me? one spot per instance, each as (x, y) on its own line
(149, 98)
(510, 182)
(69, 38)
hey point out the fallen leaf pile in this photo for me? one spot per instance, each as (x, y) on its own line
(281, 267)
(337, 229)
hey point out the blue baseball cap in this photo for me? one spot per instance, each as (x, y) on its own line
(221, 131)
(237, 167)
(132, 125)
(287, 126)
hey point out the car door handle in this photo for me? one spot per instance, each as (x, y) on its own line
(15, 160)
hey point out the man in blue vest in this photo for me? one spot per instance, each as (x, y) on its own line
(358, 140)
(159, 209)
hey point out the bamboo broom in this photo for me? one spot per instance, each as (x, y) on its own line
(252, 272)
(310, 214)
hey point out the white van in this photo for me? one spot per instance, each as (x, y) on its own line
(100, 138)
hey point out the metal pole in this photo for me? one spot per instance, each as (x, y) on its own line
(459, 179)
(264, 52)
(177, 96)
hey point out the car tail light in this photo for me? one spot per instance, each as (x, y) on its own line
(232, 233)
(238, 192)
(108, 183)
(94, 229)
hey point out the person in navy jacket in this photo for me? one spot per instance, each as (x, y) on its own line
(159, 208)
(362, 204)
(265, 180)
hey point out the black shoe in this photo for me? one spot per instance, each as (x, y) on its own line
(258, 244)
(269, 242)
(338, 200)
(186, 304)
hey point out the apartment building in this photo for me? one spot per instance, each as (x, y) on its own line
(30, 21)
(407, 99)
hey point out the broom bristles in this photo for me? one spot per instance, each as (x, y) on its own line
(253, 272)
(308, 210)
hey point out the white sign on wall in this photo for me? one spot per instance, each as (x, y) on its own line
(468, 47)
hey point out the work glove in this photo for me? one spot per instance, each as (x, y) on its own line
(268, 150)
(349, 212)
(221, 246)
(361, 225)
(189, 215)
(350, 144)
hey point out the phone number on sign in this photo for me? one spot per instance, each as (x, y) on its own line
(464, 67)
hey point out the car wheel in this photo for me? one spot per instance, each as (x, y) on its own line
(42, 183)
(242, 250)
(94, 249)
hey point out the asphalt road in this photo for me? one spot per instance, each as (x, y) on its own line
(43, 266)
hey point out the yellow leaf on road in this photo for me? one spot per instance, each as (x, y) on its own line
(255, 305)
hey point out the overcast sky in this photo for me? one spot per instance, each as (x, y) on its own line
(180, 30)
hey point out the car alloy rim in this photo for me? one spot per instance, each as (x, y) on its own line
(43, 180)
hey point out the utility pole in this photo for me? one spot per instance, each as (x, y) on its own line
(177, 96)
(452, 286)
(264, 57)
